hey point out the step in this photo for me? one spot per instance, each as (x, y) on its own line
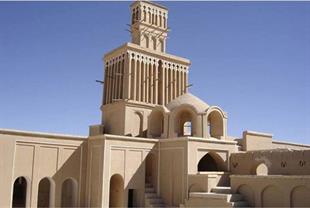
(149, 190)
(227, 197)
(157, 205)
(221, 190)
(155, 201)
(151, 195)
(239, 204)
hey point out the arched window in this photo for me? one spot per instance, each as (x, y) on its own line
(164, 20)
(160, 20)
(116, 191)
(156, 19)
(211, 162)
(137, 14)
(215, 124)
(45, 193)
(19, 192)
(144, 14)
(150, 17)
(69, 193)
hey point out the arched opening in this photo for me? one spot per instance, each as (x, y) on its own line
(187, 128)
(210, 162)
(133, 17)
(144, 15)
(215, 124)
(137, 14)
(184, 123)
(45, 193)
(150, 17)
(156, 124)
(19, 192)
(164, 22)
(116, 191)
(69, 193)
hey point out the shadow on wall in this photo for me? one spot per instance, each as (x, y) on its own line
(63, 189)
(132, 193)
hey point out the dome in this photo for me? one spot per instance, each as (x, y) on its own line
(188, 99)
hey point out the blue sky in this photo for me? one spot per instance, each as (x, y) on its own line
(250, 58)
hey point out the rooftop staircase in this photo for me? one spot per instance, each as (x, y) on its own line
(151, 198)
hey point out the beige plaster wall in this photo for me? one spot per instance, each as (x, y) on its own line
(273, 191)
(7, 149)
(35, 156)
(256, 141)
(121, 155)
(173, 171)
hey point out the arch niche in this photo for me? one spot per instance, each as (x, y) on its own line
(69, 193)
(300, 197)
(116, 191)
(216, 124)
(19, 192)
(211, 162)
(156, 124)
(45, 193)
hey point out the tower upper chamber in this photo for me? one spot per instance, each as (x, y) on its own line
(149, 25)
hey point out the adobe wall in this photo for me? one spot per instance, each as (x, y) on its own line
(122, 156)
(273, 191)
(279, 162)
(173, 170)
(35, 156)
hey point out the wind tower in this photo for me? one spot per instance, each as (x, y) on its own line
(140, 75)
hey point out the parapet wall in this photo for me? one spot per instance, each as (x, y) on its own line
(278, 161)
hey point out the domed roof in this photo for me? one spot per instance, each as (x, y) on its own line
(188, 99)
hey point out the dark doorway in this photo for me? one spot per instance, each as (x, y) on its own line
(19, 192)
(130, 198)
(207, 163)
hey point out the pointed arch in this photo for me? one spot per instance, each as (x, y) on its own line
(211, 162)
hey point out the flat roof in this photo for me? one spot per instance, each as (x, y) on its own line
(40, 134)
(152, 3)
